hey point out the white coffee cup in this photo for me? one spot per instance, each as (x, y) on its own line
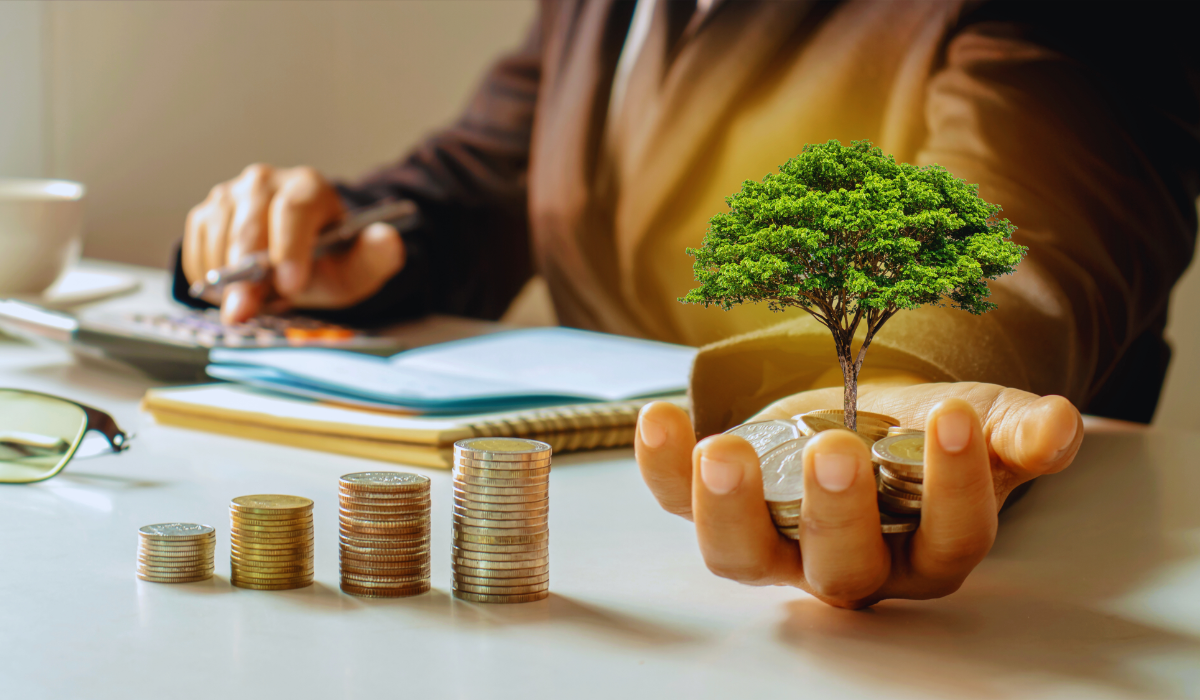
(41, 232)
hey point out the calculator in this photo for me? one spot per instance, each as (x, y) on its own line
(174, 346)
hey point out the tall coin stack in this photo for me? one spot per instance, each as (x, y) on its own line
(176, 552)
(384, 545)
(501, 520)
(901, 477)
(271, 542)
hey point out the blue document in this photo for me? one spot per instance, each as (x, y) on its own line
(512, 369)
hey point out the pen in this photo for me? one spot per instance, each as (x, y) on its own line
(403, 214)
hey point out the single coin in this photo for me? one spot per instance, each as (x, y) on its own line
(891, 524)
(168, 546)
(811, 425)
(271, 550)
(501, 449)
(463, 570)
(300, 521)
(385, 568)
(481, 473)
(897, 505)
(501, 524)
(169, 571)
(385, 510)
(270, 503)
(542, 546)
(501, 507)
(410, 516)
(503, 599)
(174, 561)
(270, 518)
(468, 490)
(500, 556)
(783, 471)
(911, 478)
(501, 514)
(502, 590)
(177, 532)
(393, 575)
(538, 482)
(360, 528)
(895, 430)
(527, 581)
(522, 465)
(177, 553)
(259, 543)
(385, 559)
(399, 592)
(261, 581)
(272, 586)
(379, 498)
(501, 564)
(480, 498)
(287, 559)
(393, 482)
(840, 414)
(766, 435)
(270, 571)
(367, 581)
(904, 485)
(499, 531)
(903, 455)
(248, 538)
(501, 539)
(193, 579)
(391, 546)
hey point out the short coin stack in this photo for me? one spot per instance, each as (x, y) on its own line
(901, 460)
(501, 520)
(384, 544)
(271, 542)
(176, 552)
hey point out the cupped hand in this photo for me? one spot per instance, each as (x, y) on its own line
(982, 441)
(281, 210)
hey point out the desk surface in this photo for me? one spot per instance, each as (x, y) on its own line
(1090, 592)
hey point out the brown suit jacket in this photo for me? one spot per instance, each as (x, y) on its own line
(1082, 121)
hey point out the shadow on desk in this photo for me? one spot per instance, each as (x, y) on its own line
(1048, 600)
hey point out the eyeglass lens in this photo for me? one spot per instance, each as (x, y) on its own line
(37, 435)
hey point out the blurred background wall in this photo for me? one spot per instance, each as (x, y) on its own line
(151, 103)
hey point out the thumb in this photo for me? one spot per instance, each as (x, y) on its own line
(1033, 435)
(348, 278)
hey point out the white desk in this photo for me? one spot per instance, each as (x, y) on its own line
(1091, 591)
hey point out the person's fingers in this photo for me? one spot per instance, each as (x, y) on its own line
(737, 537)
(301, 207)
(345, 279)
(251, 194)
(1033, 435)
(216, 227)
(845, 557)
(241, 301)
(192, 249)
(958, 504)
(663, 445)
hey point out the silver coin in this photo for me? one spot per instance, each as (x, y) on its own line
(182, 530)
(397, 479)
(903, 455)
(498, 449)
(766, 435)
(783, 471)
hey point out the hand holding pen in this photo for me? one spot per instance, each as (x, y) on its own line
(277, 238)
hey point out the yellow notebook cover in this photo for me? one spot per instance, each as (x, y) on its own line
(240, 411)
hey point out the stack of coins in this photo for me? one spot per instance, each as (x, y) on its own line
(783, 485)
(501, 520)
(901, 462)
(766, 435)
(271, 542)
(384, 545)
(176, 552)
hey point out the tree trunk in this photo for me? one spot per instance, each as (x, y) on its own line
(850, 384)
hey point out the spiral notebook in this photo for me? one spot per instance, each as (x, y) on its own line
(390, 436)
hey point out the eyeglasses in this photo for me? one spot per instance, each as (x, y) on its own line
(40, 433)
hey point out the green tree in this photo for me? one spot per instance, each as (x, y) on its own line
(853, 237)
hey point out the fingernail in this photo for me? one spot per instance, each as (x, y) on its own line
(835, 472)
(953, 431)
(287, 277)
(720, 477)
(652, 433)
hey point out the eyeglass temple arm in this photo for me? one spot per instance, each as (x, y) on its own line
(103, 423)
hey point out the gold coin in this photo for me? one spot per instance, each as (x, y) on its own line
(272, 537)
(387, 518)
(501, 507)
(370, 498)
(384, 541)
(464, 555)
(897, 430)
(383, 567)
(861, 415)
(272, 586)
(276, 523)
(176, 532)
(158, 554)
(501, 449)
(464, 570)
(270, 503)
(504, 599)
(385, 533)
(386, 510)
(174, 571)
(501, 539)
(501, 523)
(159, 579)
(494, 531)
(468, 490)
(177, 546)
(174, 561)
(365, 581)
(501, 564)
(399, 592)
(271, 559)
(479, 498)
(391, 546)
(277, 566)
(891, 524)
(281, 551)
(811, 425)
(502, 590)
(272, 529)
(501, 514)
(406, 574)
(541, 546)
(422, 555)
(271, 546)
(526, 581)
(480, 473)
(521, 465)
(270, 518)
(540, 482)
(302, 579)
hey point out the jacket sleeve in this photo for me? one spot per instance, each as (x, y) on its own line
(470, 255)
(1092, 147)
